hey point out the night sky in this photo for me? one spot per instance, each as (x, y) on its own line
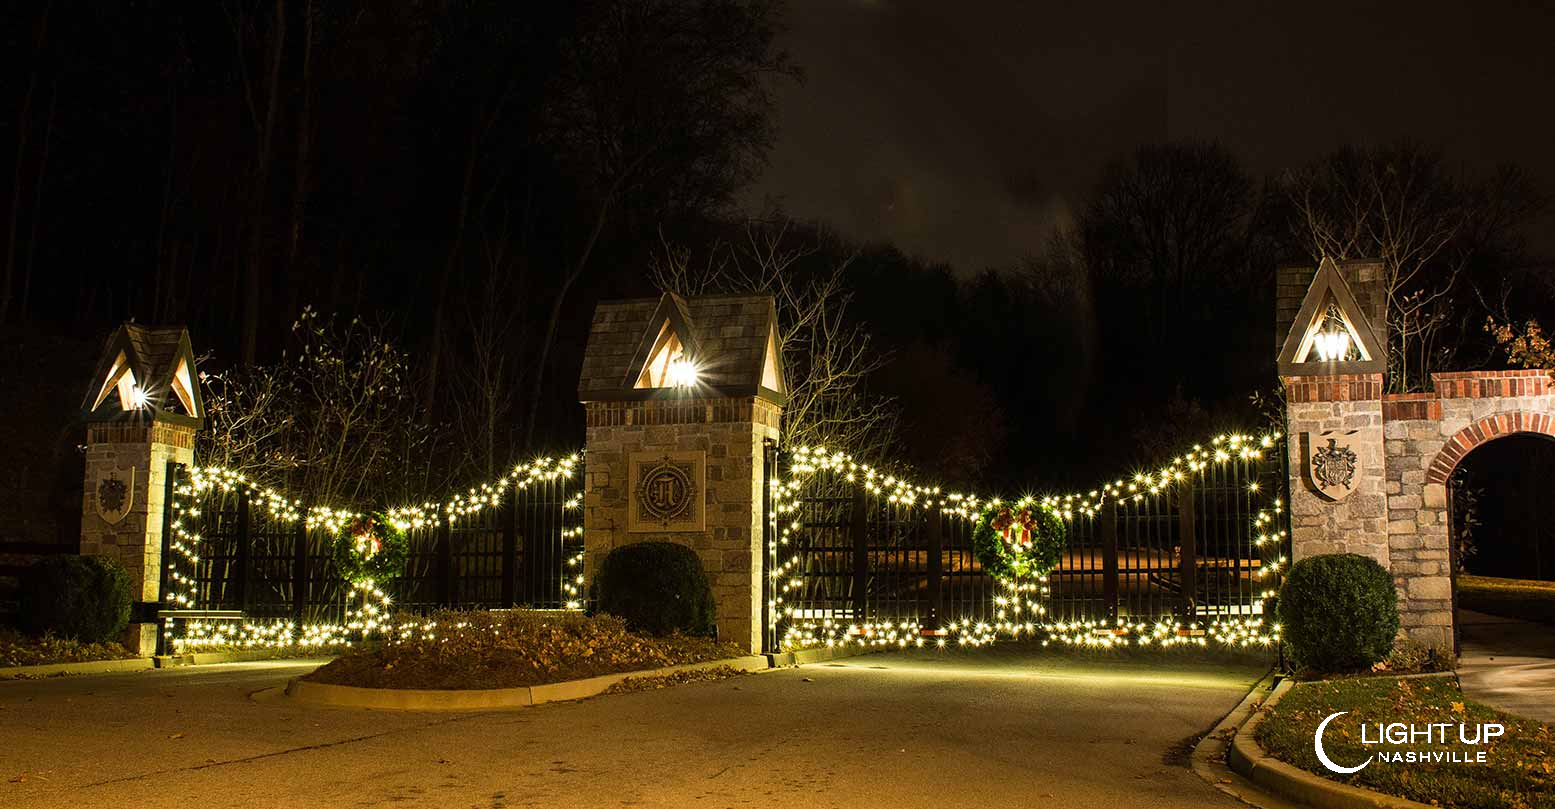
(966, 137)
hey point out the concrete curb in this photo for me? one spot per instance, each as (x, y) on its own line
(213, 658)
(1247, 759)
(396, 699)
(807, 657)
(89, 667)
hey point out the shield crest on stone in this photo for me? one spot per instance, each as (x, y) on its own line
(1331, 463)
(115, 494)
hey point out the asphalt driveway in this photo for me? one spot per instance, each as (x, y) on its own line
(1011, 726)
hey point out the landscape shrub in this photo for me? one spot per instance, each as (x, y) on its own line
(1339, 612)
(657, 588)
(83, 598)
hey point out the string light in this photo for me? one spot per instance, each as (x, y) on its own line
(367, 606)
(1020, 608)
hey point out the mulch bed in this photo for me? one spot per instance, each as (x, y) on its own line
(510, 649)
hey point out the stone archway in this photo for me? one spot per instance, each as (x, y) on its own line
(1424, 436)
(1482, 431)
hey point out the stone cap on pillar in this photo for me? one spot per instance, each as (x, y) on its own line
(146, 372)
(671, 347)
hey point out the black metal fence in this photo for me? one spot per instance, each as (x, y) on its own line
(850, 556)
(250, 559)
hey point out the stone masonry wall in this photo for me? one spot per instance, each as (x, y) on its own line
(731, 433)
(1357, 523)
(1427, 434)
(135, 541)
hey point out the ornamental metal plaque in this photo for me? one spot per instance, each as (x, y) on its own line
(667, 492)
(1331, 463)
(115, 492)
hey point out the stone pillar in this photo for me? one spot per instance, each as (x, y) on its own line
(1347, 409)
(130, 530)
(720, 440)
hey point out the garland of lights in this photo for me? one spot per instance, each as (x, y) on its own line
(1019, 607)
(373, 616)
(1019, 541)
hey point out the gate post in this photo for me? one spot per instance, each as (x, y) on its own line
(445, 561)
(300, 570)
(1187, 535)
(509, 517)
(680, 397)
(173, 475)
(1109, 559)
(245, 547)
(858, 531)
(142, 408)
(768, 546)
(935, 530)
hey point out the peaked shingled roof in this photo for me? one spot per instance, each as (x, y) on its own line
(729, 333)
(1329, 285)
(152, 354)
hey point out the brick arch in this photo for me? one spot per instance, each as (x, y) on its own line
(1489, 428)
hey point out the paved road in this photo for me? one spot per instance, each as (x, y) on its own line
(1508, 663)
(1004, 727)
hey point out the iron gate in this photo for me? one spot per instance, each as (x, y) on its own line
(265, 564)
(843, 555)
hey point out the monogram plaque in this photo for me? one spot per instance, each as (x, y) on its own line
(667, 492)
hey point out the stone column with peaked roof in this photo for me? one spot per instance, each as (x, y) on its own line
(682, 395)
(1345, 485)
(142, 409)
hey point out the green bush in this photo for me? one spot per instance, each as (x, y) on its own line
(83, 598)
(1339, 612)
(657, 588)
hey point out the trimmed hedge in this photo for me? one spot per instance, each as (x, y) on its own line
(83, 598)
(1339, 612)
(656, 587)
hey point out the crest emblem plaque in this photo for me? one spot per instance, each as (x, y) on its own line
(1331, 466)
(667, 492)
(115, 494)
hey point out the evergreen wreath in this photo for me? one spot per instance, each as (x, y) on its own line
(1019, 541)
(369, 548)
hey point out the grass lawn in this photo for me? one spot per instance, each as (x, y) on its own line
(459, 650)
(17, 649)
(1509, 598)
(1520, 765)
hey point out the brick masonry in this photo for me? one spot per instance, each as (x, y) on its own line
(136, 540)
(731, 432)
(1423, 437)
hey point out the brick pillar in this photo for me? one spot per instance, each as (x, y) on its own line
(725, 436)
(136, 454)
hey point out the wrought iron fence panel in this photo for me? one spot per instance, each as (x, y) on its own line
(1185, 554)
(270, 566)
(219, 525)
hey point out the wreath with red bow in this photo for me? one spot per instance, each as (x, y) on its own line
(1019, 541)
(369, 548)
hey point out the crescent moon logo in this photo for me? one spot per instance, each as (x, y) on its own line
(1317, 746)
